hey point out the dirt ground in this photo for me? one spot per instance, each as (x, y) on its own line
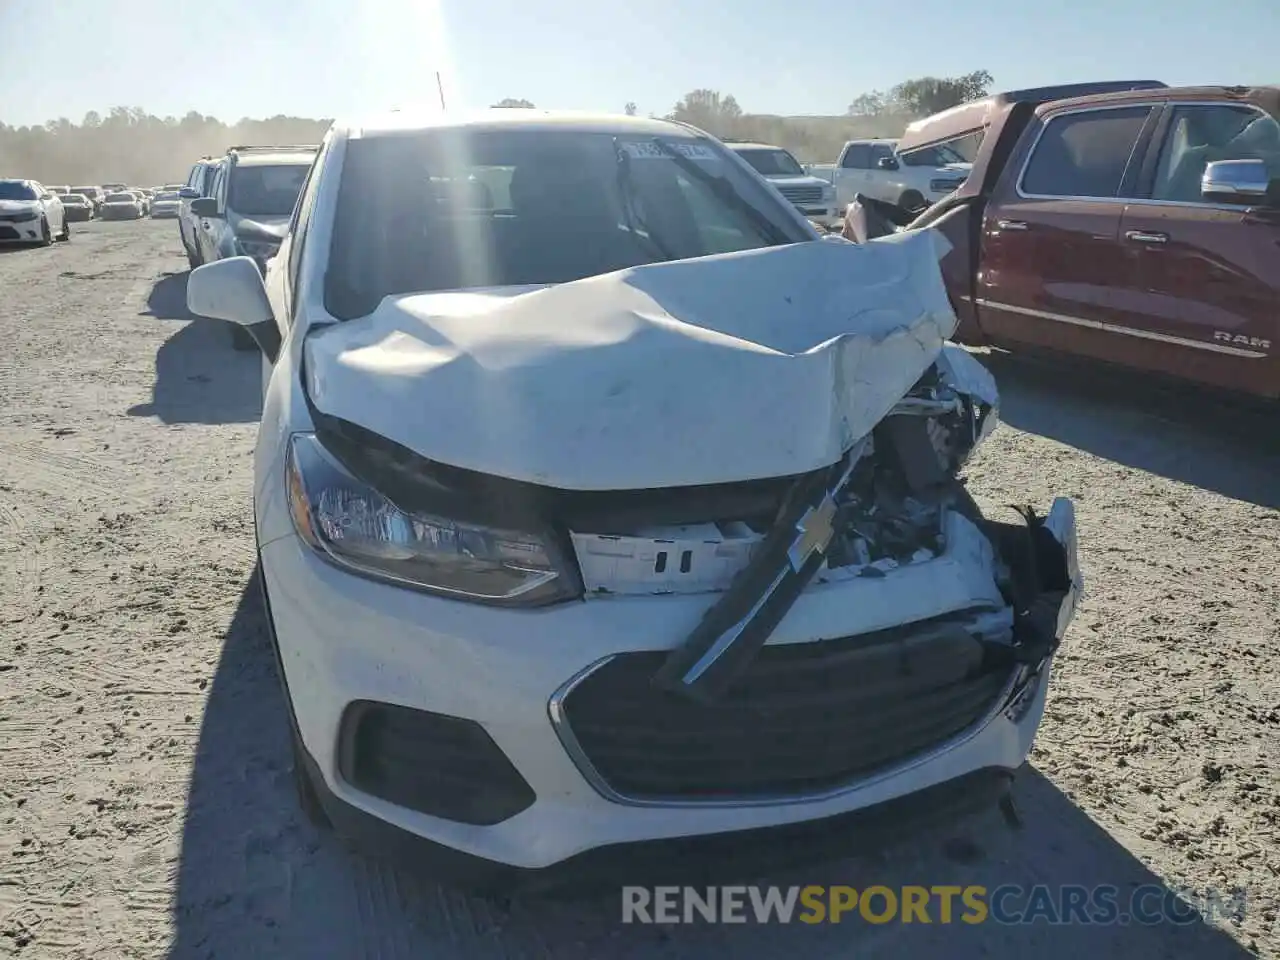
(146, 807)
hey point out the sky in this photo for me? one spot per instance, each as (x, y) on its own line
(345, 58)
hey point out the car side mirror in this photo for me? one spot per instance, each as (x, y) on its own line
(1235, 181)
(205, 207)
(189, 193)
(232, 290)
(887, 163)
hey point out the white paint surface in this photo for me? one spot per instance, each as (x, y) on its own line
(733, 367)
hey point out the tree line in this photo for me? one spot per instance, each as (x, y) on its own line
(132, 146)
(129, 145)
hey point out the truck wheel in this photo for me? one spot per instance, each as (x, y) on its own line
(911, 201)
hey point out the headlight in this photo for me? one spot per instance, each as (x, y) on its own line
(354, 526)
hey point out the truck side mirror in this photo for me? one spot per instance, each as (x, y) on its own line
(887, 163)
(1235, 181)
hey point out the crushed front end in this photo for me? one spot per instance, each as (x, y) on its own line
(494, 647)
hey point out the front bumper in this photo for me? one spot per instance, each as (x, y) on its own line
(164, 213)
(20, 231)
(343, 639)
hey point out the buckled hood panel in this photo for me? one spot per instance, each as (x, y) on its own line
(733, 367)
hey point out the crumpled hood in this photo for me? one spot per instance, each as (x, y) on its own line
(733, 367)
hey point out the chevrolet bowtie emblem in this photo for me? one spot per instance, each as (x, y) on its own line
(736, 626)
(815, 529)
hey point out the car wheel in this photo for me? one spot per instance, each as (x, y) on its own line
(911, 201)
(45, 237)
(66, 229)
(242, 339)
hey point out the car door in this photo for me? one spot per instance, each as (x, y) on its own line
(186, 229)
(1206, 303)
(1053, 271)
(882, 183)
(850, 177)
(208, 229)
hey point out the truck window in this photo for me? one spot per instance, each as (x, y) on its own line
(1083, 154)
(879, 151)
(1209, 132)
(857, 156)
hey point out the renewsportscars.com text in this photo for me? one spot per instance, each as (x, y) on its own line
(1010, 904)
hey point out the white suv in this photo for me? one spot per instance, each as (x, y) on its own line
(911, 180)
(601, 504)
(813, 196)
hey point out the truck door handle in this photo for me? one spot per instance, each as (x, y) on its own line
(1011, 224)
(1141, 236)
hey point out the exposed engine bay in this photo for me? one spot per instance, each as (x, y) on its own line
(890, 513)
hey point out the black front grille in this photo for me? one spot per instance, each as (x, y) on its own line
(444, 766)
(8, 233)
(805, 195)
(804, 718)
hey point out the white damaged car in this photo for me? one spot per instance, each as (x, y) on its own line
(608, 516)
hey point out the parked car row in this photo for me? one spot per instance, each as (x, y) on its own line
(62, 205)
(239, 204)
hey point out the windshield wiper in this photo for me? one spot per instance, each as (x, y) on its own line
(636, 223)
(724, 189)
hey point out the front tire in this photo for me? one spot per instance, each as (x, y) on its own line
(45, 237)
(65, 235)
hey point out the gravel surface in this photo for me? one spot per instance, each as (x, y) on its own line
(146, 807)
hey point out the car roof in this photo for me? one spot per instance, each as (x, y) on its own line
(514, 118)
(298, 157)
(750, 145)
(889, 140)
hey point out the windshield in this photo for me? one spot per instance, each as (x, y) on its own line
(772, 163)
(166, 196)
(454, 210)
(74, 199)
(939, 155)
(87, 191)
(16, 190)
(266, 190)
(122, 198)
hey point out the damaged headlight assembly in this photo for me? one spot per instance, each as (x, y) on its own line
(357, 528)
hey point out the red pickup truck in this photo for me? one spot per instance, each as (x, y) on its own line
(1127, 222)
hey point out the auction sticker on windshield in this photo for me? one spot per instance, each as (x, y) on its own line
(649, 150)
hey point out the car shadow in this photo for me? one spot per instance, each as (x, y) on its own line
(256, 879)
(199, 377)
(1228, 445)
(168, 298)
